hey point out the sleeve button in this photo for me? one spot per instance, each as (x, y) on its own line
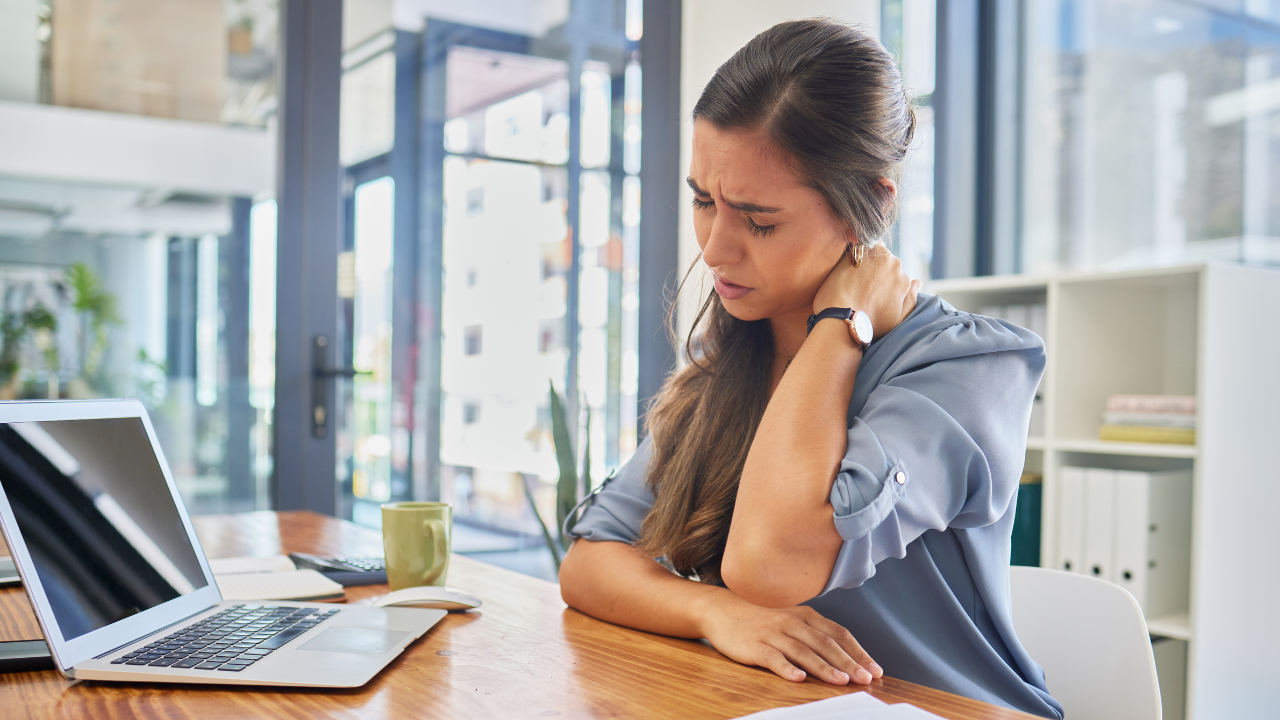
(900, 477)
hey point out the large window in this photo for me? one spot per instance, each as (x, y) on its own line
(539, 263)
(1151, 133)
(908, 29)
(493, 206)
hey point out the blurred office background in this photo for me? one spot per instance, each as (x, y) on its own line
(342, 249)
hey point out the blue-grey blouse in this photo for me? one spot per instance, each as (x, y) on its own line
(924, 500)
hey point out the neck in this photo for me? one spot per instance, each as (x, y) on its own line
(789, 331)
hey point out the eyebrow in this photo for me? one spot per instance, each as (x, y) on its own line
(739, 206)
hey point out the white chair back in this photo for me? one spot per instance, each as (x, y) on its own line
(1091, 639)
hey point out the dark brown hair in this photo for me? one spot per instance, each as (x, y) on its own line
(831, 97)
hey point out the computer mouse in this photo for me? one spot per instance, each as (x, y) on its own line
(429, 596)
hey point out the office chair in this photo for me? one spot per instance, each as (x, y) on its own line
(1090, 637)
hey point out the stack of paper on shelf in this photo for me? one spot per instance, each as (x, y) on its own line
(271, 578)
(1167, 419)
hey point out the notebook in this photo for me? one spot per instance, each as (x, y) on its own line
(272, 578)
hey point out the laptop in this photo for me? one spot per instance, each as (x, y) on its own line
(119, 582)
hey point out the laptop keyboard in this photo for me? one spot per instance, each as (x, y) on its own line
(231, 640)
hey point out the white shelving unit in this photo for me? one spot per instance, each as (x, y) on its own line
(1208, 330)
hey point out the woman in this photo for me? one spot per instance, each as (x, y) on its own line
(829, 507)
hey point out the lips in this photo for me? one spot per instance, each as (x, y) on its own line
(730, 291)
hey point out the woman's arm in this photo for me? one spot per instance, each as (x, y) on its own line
(783, 541)
(613, 581)
(938, 443)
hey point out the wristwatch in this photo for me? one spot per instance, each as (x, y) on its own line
(858, 321)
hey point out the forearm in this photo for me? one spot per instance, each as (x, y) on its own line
(613, 581)
(783, 542)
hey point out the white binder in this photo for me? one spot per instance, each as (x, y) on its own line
(1038, 321)
(1071, 527)
(1153, 538)
(1133, 495)
(1099, 512)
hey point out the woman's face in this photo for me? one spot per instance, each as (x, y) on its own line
(769, 239)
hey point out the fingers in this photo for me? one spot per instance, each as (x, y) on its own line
(836, 656)
(801, 654)
(773, 659)
(909, 300)
(847, 643)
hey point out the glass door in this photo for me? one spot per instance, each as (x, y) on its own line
(365, 444)
(537, 261)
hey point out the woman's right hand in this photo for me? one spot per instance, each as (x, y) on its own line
(789, 641)
(878, 287)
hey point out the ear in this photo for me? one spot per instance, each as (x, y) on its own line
(891, 188)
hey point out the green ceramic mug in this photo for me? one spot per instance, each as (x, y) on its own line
(415, 539)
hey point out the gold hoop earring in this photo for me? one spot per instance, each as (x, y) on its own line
(855, 253)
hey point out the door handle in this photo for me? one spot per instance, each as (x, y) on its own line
(321, 374)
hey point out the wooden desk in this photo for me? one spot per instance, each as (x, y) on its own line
(524, 655)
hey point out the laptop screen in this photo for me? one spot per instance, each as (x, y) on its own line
(95, 512)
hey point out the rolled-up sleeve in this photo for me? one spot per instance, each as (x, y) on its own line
(939, 443)
(616, 510)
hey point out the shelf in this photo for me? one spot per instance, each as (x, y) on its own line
(986, 284)
(1176, 626)
(1036, 442)
(1108, 447)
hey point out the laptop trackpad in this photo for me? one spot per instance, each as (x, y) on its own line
(355, 640)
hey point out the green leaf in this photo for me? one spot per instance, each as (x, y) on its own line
(546, 534)
(88, 296)
(84, 286)
(567, 487)
(39, 318)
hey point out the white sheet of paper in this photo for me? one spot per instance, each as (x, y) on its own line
(819, 708)
(855, 706)
(290, 585)
(239, 565)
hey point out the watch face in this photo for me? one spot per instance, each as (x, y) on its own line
(862, 326)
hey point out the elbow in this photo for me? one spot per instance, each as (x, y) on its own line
(766, 577)
(570, 578)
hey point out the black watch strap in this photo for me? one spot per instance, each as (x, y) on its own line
(832, 312)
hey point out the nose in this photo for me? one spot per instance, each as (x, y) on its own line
(721, 248)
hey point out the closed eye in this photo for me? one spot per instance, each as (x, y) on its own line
(759, 230)
(701, 204)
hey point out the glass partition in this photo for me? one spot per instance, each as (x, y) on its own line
(105, 302)
(137, 256)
